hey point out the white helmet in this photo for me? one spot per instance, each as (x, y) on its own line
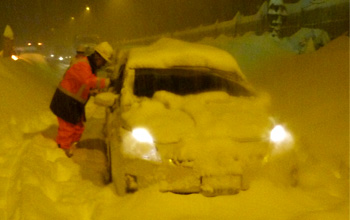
(105, 50)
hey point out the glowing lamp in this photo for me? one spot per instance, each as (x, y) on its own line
(14, 57)
(139, 144)
(278, 134)
(142, 135)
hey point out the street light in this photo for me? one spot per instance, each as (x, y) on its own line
(87, 8)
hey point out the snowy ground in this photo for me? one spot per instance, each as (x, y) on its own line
(309, 94)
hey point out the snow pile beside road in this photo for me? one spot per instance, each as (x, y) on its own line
(251, 51)
(27, 85)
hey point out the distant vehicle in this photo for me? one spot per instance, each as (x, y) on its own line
(186, 118)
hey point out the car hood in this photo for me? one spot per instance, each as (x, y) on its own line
(212, 115)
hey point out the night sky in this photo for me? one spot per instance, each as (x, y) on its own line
(50, 21)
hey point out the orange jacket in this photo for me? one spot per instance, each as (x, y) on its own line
(79, 79)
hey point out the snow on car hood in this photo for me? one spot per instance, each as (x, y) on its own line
(167, 52)
(172, 118)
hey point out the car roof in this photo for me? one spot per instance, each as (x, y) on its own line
(167, 53)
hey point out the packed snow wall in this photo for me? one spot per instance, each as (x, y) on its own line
(330, 16)
(333, 19)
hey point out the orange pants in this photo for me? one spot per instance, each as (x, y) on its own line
(68, 133)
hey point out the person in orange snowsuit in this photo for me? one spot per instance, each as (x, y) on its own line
(72, 93)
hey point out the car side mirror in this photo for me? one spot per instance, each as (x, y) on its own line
(106, 99)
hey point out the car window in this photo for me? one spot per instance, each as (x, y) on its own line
(184, 81)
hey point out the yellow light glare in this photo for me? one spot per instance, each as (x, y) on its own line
(29, 44)
(40, 44)
(278, 134)
(139, 144)
(142, 135)
(14, 57)
(87, 8)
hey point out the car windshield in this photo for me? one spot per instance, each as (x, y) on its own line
(184, 81)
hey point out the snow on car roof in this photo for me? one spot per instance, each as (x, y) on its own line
(168, 52)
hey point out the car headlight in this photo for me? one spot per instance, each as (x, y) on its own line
(14, 57)
(142, 135)
(139, 144)
(278, 134)
(281, 138)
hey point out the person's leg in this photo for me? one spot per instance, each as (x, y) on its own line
(78, 131)
(68, 135)
(64, 134)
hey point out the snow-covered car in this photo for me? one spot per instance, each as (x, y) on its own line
(184, 117)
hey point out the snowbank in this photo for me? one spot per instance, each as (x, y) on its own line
(27, 85)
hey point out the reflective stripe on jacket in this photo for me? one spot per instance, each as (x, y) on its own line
(73, 91)
(79, 79)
